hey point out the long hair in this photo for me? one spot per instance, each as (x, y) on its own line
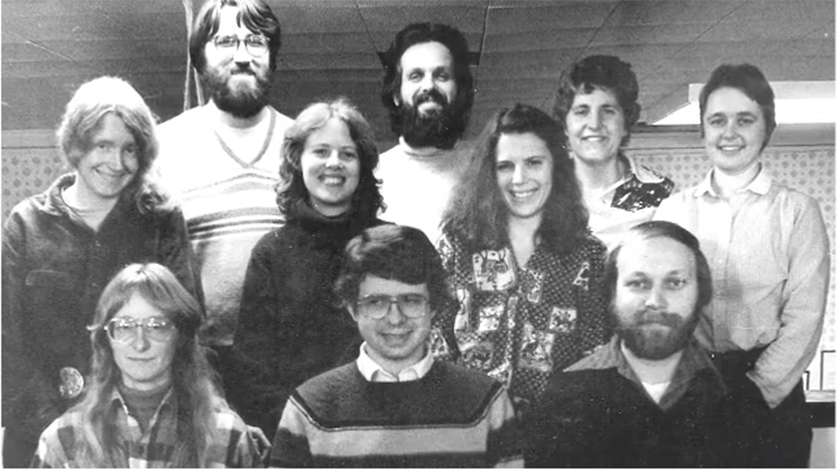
(605, 72)
(392, 252)
(477, 213)
(367, 200)
(256, 15)
(418, 33)
(83, 119)
(193, 379)
(749, 80)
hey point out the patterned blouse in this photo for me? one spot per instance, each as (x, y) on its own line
(519, 325)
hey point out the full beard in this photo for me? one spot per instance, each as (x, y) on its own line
(657, 344)
(240, 100)
(440, 128)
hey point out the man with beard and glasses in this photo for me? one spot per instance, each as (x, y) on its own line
(651, 397)
(223, 158)
(428, 91)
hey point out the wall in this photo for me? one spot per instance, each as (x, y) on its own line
(799, 156)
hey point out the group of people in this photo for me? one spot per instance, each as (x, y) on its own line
(234, 288)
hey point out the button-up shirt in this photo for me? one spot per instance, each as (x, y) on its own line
(373, 372)
(768, 251)
(231, 446)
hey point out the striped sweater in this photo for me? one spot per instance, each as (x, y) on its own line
(452, 417)
(228, 204)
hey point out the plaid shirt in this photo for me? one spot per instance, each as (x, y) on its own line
(231, 445)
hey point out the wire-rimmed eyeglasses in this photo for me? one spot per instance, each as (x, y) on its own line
(124, 330)
(255, 45)
(377, 306)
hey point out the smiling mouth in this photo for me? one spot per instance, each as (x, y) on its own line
(110, 175)
(523, 195)
(333, 180)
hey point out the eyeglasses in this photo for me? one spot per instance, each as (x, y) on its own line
(124, 330)
(255, 45)
(376, 307)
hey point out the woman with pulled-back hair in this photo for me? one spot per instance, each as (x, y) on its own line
(521, 259)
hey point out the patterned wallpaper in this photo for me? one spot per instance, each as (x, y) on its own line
(26, 171)
(808, 169)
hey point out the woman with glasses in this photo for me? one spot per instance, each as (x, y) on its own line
(62, 246)
(151, 402)
(520, 258)
(289, 326)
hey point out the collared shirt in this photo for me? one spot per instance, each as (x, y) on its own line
(376, 374)
(768, 251)
(629, 201)
(231, 446)
(693, 360)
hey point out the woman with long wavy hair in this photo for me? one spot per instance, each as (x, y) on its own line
(520, 258)
(152, 399)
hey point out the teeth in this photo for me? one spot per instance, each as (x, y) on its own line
(522, 194)
(333, 180)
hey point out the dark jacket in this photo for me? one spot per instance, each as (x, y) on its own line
(598, 414)
(54, 270)
(290, 325)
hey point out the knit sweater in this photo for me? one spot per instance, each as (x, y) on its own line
(290, 325)
(452, 417)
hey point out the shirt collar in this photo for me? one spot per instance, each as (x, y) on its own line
(760, 184)
(374, 373)
(117, 399)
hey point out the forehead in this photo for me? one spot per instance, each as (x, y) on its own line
(334, 130)
(428, 55)
(730, 100)
(138, 307)
(598, 96)
(372, 284)
(112, 126)
(513, 146)
(228, 23)
(655, 257)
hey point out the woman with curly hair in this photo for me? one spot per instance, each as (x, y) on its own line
(151, 401)
(520, 258)
(290, 326)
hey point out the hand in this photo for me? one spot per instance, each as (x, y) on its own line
(263, 445)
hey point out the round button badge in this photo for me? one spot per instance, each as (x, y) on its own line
(72, 382)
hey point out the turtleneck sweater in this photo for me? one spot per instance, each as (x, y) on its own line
(290, 325)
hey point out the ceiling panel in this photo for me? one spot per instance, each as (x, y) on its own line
(519, 48)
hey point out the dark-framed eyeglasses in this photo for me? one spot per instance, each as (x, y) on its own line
(255, 45)
(124, 330)
(377, 306)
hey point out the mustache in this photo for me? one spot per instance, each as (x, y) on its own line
(243, 69)
(643, 317)
(431, 95)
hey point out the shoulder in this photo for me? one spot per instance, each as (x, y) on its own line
(330, 384)
(229, 421)
(282, 121)
(182, 122)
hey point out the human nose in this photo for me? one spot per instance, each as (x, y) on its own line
(394, 315)
(333, 159)
(594, 120)
(141, 340)
(655, 298)
(518, 174)
(240, 54)
(426, 83)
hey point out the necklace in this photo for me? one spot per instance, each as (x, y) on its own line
(249, 164)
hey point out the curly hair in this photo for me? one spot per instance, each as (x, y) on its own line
(256, 15)
(605, 72)
(749, 80)
(193, 379)
(367, 200)
(393, 252)
(418, 33)
(477, 213)
(82, 120)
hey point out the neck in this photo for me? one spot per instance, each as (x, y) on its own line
(423, 151)
(77, 197)
(598, 175)
(522, 233)
(652, 371)
(392, 366)
(726, 184)
(237, 123)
